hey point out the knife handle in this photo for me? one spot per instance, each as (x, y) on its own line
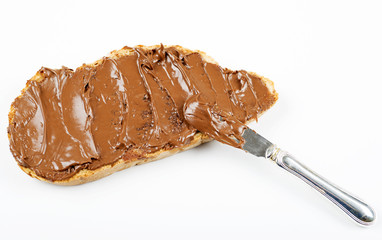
(352, 206)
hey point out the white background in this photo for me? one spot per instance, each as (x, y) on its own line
(325, 58)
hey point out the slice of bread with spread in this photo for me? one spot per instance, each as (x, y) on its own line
(72, 127)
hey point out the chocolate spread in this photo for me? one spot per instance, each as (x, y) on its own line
(123, 107)
(208, 118)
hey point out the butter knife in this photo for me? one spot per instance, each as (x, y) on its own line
(358, 210)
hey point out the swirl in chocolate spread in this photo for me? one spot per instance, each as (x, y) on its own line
(122, 107)
(208, 118)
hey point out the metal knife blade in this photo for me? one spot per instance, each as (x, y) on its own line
(256, 144)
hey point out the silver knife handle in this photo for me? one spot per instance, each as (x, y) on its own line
(352, 206)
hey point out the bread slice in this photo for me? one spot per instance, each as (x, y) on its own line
(85, 175)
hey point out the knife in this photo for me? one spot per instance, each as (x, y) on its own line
(358, 210)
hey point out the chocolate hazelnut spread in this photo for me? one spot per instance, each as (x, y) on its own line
(209, 119)
(123, 107)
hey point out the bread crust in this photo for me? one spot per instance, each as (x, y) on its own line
(85, 175)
